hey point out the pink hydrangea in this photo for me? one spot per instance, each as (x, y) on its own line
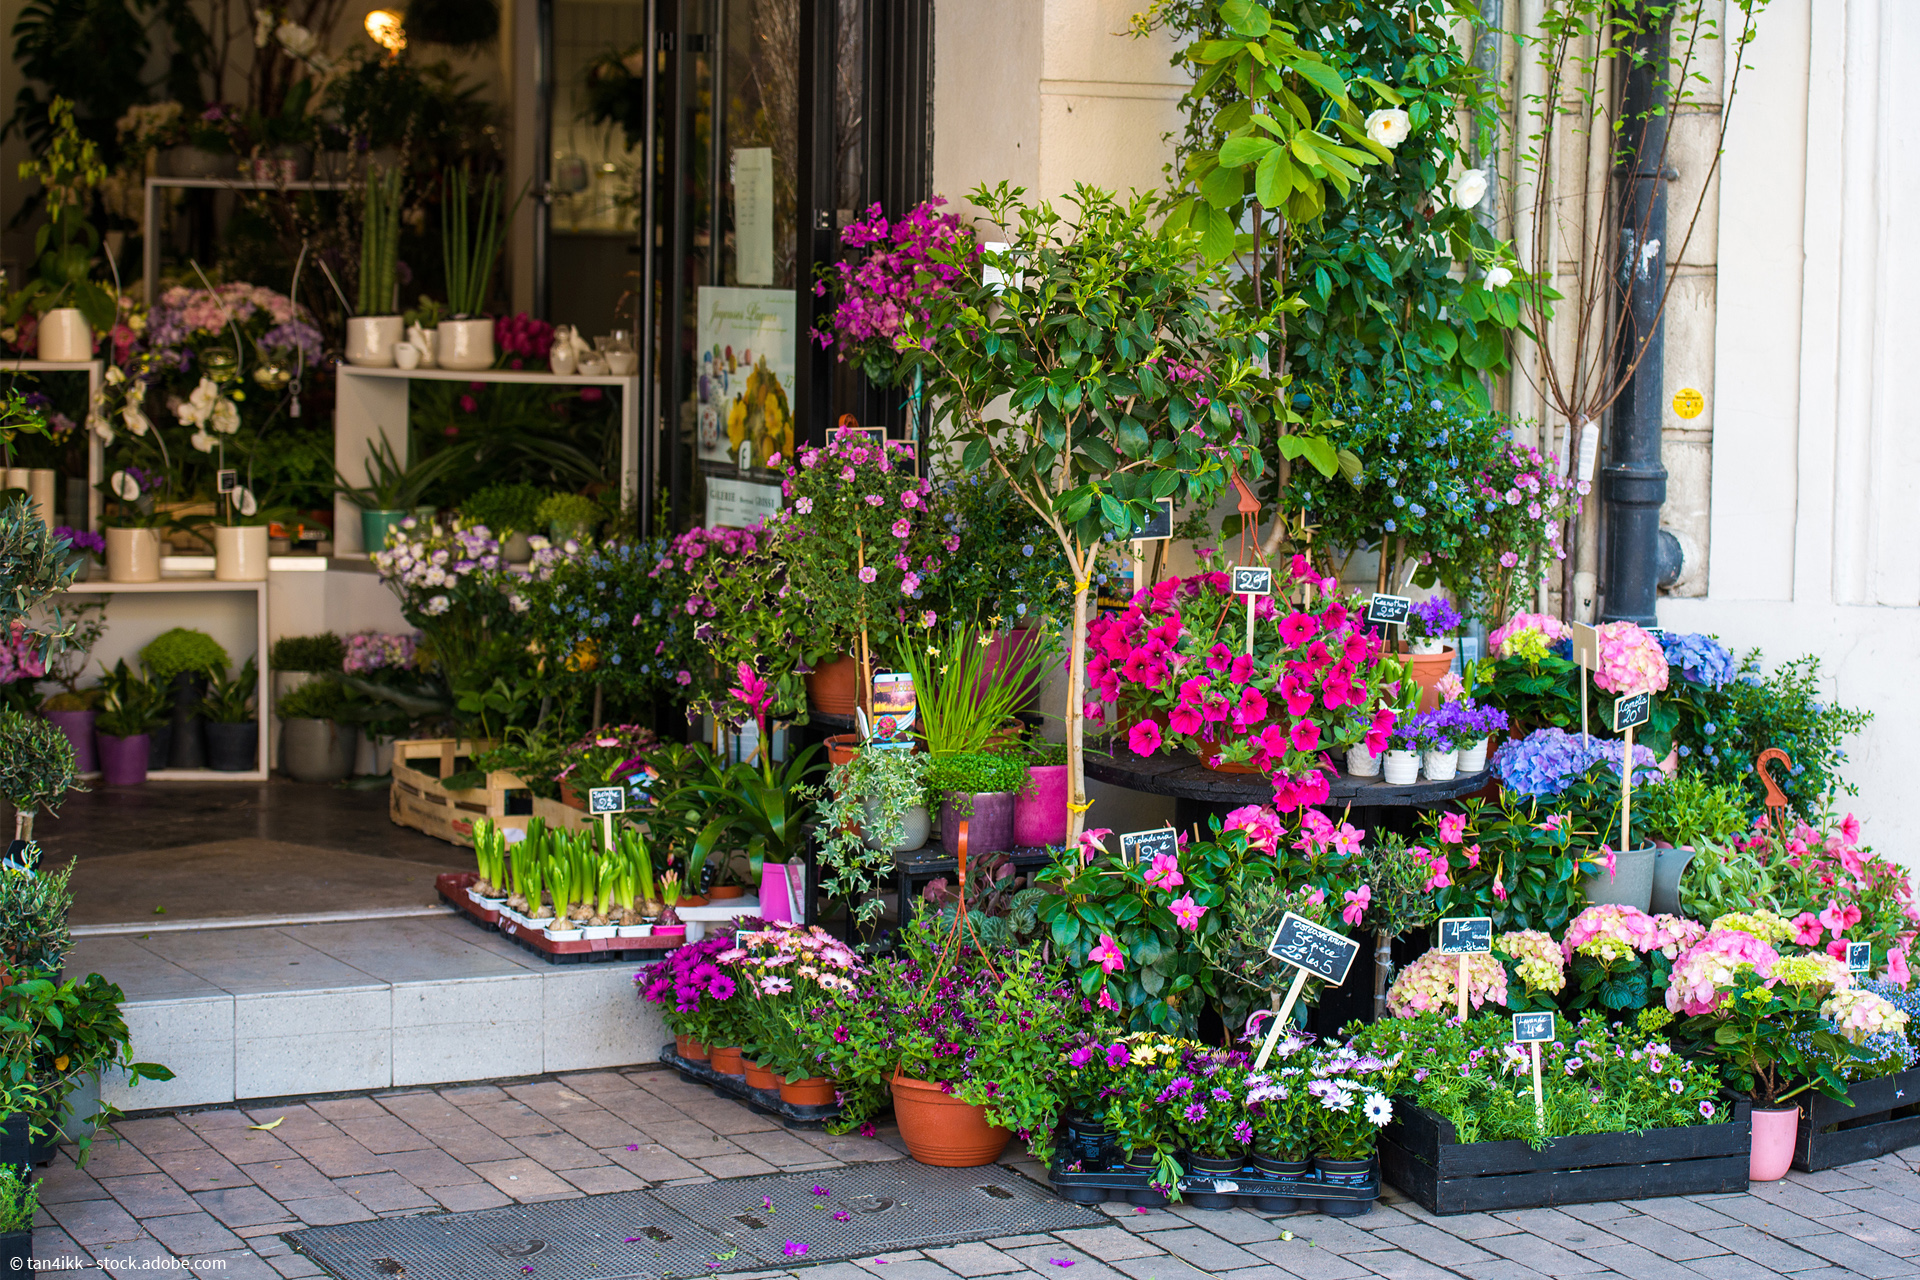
(1631, 661)
(1609, 931)
(1431, 982)
(1859, 1014)
(1673, 934)
(1702, 977)
(1527, 635)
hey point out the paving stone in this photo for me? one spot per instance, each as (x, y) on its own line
(523, 1179)
(426, 1110)
(295, 1266)
(247, 1206)
(1301, 1258)
(1798, 1198)
(237, 1264)
(338, 1109)
(295, 1123)
(385, 1192)
(203, 1122)
(722, 1116)
(1046, 1258)
(385, 1134)
(1758, 1246)
(639, 1107)
(62, 1181)
(599, 1128)
(1544, 1256)
(1499, 1269)
(1599, 1214)
(203, 1170)
(472, 1095)
(1205, 1250)
(1551, 1224)
(339, 1156)
(1855, 1255)
(1432, 1244)
(157, 1133)
(191, 1233)
(1468, 1226)
(1335, 1234)
(1110, 1244)
(96, 1223)
(1668, 1241)
(57, 1251)
(472, 1145)
(1019, 1242)
(111, 1158)
(1229, 1224)
(652, 1163)
(1380, 1218)
(1688, 1215)
(734, 1166)
(140, 1258)
(266, 1240)
(594, 1084)
(510, 1119)
(1632, 1260)
(1400, 1266)
(471, 1195)
(1824, 1180)
(1877, 1231)
(1879, 1202)
(974, 1260)
(1164, 1267)
(330, 1210)
(1265, 1271)
(243, 1145)
(601, 1178)
(286, 1180)
(430, 1168)
(149, 1195)
(901, 1267)
(557, 1150)
(1774, 1219)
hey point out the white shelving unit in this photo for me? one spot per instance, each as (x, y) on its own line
(96, 371)
(150, 255)
(202, 586)
(372, 404)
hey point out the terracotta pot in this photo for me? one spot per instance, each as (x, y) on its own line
(727, 892)
(690, 1049)
(1040, 811)
(1426, 670)
(832, 686)
(943, 1131)
(814, 1091)
(726, 1061)
(759, 1077)
(841, 747)
(465, 344)
(571, 797)
(133, 555)
(1774, 1132)
(239, 552)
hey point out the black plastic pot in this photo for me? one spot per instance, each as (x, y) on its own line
(16, 1252)
(1352, 1173)
(1284, 1170)
(1088, 1141)
(188, 750)
(159, 747)
(232, 748)
(1217, 1167)
(16, 1145)
(1150, 1198)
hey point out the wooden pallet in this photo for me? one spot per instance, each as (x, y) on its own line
(1885, 1116)
(1420, 1154)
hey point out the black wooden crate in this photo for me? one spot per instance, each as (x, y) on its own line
(1420, 1155)
(1885, 1116)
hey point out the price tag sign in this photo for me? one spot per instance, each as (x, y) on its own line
(606, 800)
(1313, 952)
(1658, 633)
(1158, 526)
(1532, 1028)
(1586, 645)
(226, 480)
(1389, 610)
(1466, 936)
(1141, 847)
(1859, 957)
(1632, 711)
(1252, 580)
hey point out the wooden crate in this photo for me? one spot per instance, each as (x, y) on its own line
(1420, 1154)
(560, 816)
(1885, 1116)
(416, 799)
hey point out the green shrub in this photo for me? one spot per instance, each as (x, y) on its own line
(36, 762)
(320, 655)
(19, 1197)
(967, 773)
(34, 940)
(182, 649)
(315, 700)
(76, 700)
(565, 513)
(1690, 809)
(506, 508)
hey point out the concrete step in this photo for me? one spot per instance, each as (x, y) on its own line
(274, 1011)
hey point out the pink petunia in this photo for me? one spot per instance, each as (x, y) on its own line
(1145, 738)
(1305, 735)
(1806, 929)
(1897, 971)
(1298, 628)
(1839, 919)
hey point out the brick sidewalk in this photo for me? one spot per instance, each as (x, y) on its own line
(205, 1186)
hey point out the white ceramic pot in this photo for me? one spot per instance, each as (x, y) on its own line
(1402, 768)
(239, 552)
(1426, 646)
(133, 555)
(371, 340)
(635, 931)
(1474, 758)
(465, 344)
(406, 355)
(560, 359)
(63, 336)
(622, 363)
(1443, 766)
(1362, 763)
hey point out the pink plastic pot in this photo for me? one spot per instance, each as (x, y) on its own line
(123, 761)
(1005, 652)
(1040, 811)
(774, 908)
(1774, 1131)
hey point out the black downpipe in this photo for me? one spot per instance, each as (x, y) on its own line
(1635, 480)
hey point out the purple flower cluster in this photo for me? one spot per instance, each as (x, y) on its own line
(908, 263)
(82, 539)
(373, 651)
(688, 975)
(1701, 658)
(1432, 619)
(1547, 761)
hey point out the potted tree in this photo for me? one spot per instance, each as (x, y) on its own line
(36, 768)
(376, 327)
(179, 661)
(71, 307)
(232, 728)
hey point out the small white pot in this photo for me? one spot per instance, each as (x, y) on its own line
(540, 921)
(371, 340)
(465, 344)
(1402, 768)
(1474, 758)
(1362, 763)
(560, 359)
(133, 555)
(1443, 766)
(406, 355)
(64, 336)
(1426, 646)
(635, 931)
(239, 552)
(592, 931)
(575, 934)
(622, 363)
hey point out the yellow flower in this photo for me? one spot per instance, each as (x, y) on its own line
(60, 1063)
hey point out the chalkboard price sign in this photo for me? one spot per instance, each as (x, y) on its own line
(1305, 945)
(1389, 610)
(1632, 711)
(1138, 847)
(1859, 957)
(1532, 1028)
(1157, 527)
(1252, 580)
(1466, 936)
(226, 480)
(606, 800)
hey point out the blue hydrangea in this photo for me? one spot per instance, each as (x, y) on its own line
(1702, 659)
(1547, 761)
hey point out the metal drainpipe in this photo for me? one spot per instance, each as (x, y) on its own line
(1634, 480)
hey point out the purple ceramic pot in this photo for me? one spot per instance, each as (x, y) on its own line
(1040, 812)
(989, 826)
(78, 726)
(123, 761)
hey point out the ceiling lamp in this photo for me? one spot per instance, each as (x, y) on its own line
(383, 26)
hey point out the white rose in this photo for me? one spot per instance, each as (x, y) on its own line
(1469, 188)
(1498, 277)
(1388, 126)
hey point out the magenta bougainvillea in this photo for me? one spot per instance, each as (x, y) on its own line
(896, 270)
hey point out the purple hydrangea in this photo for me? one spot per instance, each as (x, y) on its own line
(1547, 761)
(1702, 659)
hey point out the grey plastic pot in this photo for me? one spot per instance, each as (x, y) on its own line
(1668, 866)
(1630, 885)
(317, 750)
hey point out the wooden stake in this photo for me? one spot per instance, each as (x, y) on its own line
(1626, 793)
(1539, 1099)
(1250, 600)
(1463, 986)
(1280, 1019)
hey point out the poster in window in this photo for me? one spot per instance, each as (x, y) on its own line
(744, 388)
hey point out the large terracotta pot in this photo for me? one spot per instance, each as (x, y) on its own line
(814, 1091)
(1040, 811)
(1426, 669)
(831, 686)
(941, 1130)
(1774, 1131)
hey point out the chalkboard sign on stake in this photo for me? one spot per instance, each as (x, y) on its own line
(603, 803)
(1859, 957)
(1252, 581)
(1465, 936)
(1138, 847)
(1630, 711)
(1389, 610)
(1157, 527)
(1313, 951)
(1532, 1030)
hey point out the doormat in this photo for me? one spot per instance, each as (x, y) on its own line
(701, 1229)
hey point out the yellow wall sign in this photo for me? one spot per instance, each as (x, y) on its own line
(1688, 403)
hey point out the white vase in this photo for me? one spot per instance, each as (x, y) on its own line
(133, 555)
(1442, 766)
(1402, 768)
(371, 339)
(1426, 646)
(239, 552)
(1362, 763)
(64, 336)
(1474, 758)
(465, 344)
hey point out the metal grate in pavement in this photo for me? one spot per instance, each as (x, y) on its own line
(889, 1207)
(700, 1229)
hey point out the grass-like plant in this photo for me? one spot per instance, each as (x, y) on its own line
(380, 242)
(472, 239)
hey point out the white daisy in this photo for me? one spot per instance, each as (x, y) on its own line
(1378, 1109)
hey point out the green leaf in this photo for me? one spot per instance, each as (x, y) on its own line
(1223, 189)
(1100, 453)
(1246, 17)
(1322, 77)
(1273, 177)
(1216, 238)
(1113, 512)
(1245, 150)
(975, 456)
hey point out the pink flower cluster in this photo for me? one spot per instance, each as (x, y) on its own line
(1527, 635)
(522, 337)
(20, 656)
(1608, 931)
(1631, 661)
(909, 262)
(1702, 977)
(1859, 1014)
(373, 651)
(1432, 982)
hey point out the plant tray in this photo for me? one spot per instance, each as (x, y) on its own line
(1246, 1189)
(1420, 1154)
(1885, 1116)
(452, 887)
(417, 800)
(765, 1101)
